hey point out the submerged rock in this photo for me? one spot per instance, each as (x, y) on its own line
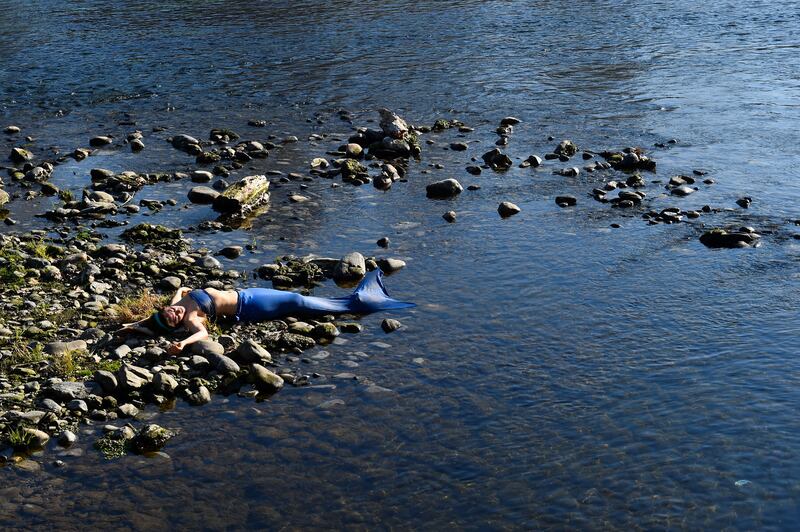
(99, 141)
(720, 238)
(566, 201)
(566, 147)
(151, 438)
(20, 155)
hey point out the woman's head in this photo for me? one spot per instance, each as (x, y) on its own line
(172, 315)
(167, 319)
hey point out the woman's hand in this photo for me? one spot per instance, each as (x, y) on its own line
(175, 348)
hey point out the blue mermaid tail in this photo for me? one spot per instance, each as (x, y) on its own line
(260, 304)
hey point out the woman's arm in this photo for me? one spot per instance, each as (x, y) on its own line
(135, 327)
(198, 331)
(179, 294)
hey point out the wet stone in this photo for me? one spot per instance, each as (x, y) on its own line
(390, 325)
(474, 170)
(264, 379)
(250, 351)
(391, 265)
(78, 405)
(682, 191)
(151, 438)
(444, 189)
(67, 438)
(231, 252)
(127, 410)
(566, 201)
(506, 209)
(351, 267)
(100, 141)
(202, 195)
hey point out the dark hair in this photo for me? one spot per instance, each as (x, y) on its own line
(157, 323)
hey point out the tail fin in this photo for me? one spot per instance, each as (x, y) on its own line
(370, 295)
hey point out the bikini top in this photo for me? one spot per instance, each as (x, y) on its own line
(205, 302)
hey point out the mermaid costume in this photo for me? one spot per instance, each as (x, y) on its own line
(261, 304)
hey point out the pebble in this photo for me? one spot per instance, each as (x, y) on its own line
(449, 216)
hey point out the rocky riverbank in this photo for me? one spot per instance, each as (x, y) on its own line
(65, 289)
(63, 298)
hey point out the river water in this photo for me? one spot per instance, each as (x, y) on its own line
(557, 372)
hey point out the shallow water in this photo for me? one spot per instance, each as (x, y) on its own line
(557, 372)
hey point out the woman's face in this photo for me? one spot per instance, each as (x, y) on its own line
(173, 315)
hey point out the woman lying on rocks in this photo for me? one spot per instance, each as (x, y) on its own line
(189, 308)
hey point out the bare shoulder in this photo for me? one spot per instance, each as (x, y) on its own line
(195, 323)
